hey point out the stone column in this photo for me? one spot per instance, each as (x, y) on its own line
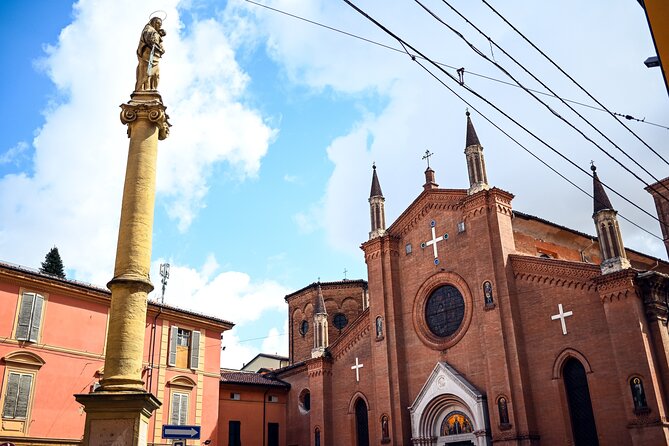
(120, 408)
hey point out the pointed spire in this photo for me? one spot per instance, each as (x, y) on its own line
(319, 305)
(478, 178)
(601, 200)
(472, 139)
(376, 187)
(611, 247)
(377, 212)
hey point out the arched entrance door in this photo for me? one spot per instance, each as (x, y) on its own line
(361, 423)
(580, 407)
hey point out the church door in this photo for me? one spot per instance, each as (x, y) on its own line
(580, 406)
(361, 423)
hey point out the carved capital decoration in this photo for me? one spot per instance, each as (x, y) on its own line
(617, 286)
(146, 106)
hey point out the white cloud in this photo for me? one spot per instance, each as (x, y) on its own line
(310, 220)
(276, 342)
(290, 178)
(228, 295)
(73, 198)
(14, 153)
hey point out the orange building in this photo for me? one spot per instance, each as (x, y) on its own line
(252, 409)
(52, 346)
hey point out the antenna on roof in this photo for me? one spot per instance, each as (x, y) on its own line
(165, 274)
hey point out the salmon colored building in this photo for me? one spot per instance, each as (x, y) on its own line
(482, 325)
(52, 346)
(252, 409)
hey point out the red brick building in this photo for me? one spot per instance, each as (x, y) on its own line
(481, 325)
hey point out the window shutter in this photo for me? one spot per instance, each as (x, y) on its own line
(183, 411)
(172, 357)
(25, 313)
(195, 350)
(24, 396)
(176, 404)
(9, 409)
(36, 318)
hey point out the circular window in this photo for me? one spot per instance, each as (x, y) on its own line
(304, 327)
(444, 311)
(340, 320)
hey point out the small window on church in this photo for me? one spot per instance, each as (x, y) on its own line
(407, 248)
(304, 327)
(304, 401)
(340, 321)
(461, 227)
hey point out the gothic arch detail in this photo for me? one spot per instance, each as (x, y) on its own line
(564, 356)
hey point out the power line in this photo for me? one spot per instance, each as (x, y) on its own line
(573, 80)
(555, 113)
(483, 76)
(475, 93)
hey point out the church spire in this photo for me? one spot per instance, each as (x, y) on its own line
(320, 325)
(611, 246)
(377, 212)
(478, 179)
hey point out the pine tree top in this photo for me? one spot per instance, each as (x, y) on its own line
(53, 264)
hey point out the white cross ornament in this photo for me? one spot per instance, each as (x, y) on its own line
(356, 367)
(434, 241)
(562, 315)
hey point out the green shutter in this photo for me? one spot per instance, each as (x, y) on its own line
(176, 404)
(195, 350)
(36, 318)
(25, 314)
(9, 408)
(172, 356)
(24, 396)
(183, 410)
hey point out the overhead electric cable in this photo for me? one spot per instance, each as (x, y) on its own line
(475, 93)
(553, 111)
(573, 80)
(483, 76)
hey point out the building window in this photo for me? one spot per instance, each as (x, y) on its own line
(304, 327)
(179, 408)
(235, 396)
(17, 395)
(317, 437)
(407, 248)
(234, 433)
(30, 317)
(304, 401)
(272, 434)
(184, 348)
(273, 399)
(444, 311)
(340, 321)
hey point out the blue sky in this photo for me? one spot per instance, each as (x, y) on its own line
(263, 183)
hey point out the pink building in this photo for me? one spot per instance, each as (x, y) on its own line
(52, 346)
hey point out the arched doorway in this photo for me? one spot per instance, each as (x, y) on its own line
(580, 406)
(361, 423)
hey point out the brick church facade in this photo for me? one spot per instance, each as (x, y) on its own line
(482, 325)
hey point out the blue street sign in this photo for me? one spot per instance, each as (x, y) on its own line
(175, 431)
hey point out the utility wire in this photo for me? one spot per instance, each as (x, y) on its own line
(573, 80)
(554, 112)
(475, 93)
(483, 76)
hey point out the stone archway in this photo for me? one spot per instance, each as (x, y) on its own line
(449, 410)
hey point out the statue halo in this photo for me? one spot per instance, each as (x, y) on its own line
(162, 16)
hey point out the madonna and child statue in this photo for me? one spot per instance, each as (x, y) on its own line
(149, 51)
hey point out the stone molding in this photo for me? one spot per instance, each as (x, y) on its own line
(435, 199)
(320, 366)
(554, 272)
(617, 286)
(149, 106)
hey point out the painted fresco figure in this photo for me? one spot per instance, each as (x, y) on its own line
(379, 327)
(638, 394)
(503, 411)
(487, 293)
(384, 427)
(149, 51)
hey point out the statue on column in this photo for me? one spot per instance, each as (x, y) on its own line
(149, 52)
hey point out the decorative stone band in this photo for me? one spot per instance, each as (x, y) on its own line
(617, 286)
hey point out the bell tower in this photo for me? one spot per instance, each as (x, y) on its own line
(478, 179)
(377, 212)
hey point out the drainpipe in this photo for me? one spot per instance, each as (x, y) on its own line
(152, 347)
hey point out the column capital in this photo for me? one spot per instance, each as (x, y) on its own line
(146, 105)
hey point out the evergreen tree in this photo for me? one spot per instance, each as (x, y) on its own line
(53, 264)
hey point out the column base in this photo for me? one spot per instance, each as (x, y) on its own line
(117, 418)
